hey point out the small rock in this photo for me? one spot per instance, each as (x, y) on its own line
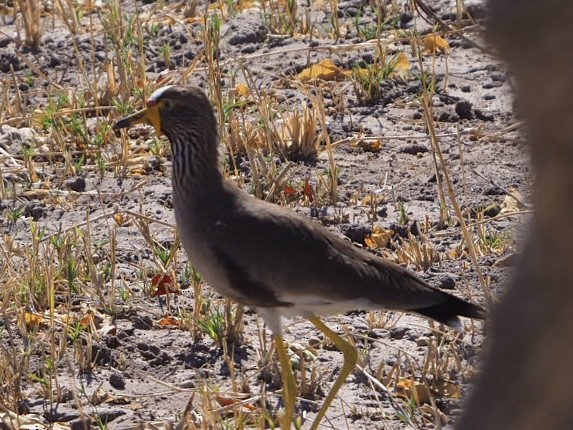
(464, 110)
(444, 117)
(413, 149)
(398, 332)
(314, 342)
(447, 282)
(77, 184)
(490, 85)
(10, 59)
(142, 322)
(112, 342)
(498, 77)
(187, 383)
(356, 232)
(492, 210)
(117, 381)
(483, 116)
(422, 341)
(34, 210)
(19, 137)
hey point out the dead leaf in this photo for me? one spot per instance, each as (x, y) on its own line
(326, 70)
(87, 320)
(163, 284)
(513, 202)
(289, 191)
(242, 91)
(308, 191)
(435, 44)
(230, 401)
(379, 238)
(242, 5)
(451, 390)
(121, 219)
(31, 320)
(169, 321)
(107, 329)
(409, 389)
(401, 66)
(369, 145)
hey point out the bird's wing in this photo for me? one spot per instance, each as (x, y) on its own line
(295, 260)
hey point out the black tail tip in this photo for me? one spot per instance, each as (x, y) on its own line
(448, 312)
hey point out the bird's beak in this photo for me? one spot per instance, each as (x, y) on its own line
(150, 115)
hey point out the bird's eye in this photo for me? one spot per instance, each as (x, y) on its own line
(167, 104)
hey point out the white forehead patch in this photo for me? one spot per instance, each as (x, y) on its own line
(159, 92)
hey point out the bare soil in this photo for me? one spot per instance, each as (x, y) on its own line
(134, 369)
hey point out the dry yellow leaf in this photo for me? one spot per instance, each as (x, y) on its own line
(400, 65)
(369, 242)
(409, 388)
(379, 237)
(325, 70)
(451, 390)
(369, 145)
(246, 4)
(32, 319)
(242, 91)
(435, 44)
(121, 219)
(169, 321)
(88, 320)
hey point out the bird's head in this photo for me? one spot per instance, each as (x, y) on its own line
(173, 109)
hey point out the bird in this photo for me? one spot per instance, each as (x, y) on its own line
(270, 258)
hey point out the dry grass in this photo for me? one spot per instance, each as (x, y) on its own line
(63, 285)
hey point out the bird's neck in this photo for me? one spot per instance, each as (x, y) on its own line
(196, 166)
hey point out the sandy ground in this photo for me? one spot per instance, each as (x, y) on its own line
(138, 371)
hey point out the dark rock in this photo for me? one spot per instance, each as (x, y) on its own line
(142, 322)
(464, 110)
(398, 332)
(492, 210)
(494, 191)
(117, 381)
(490, 85)
(77, 184)
(405, 19)
(356, 232)
(249, 35)
(447, 282)
(10, 60)
(190, 54)
(483, 116)
(34, 210)
(445, 117)
(498, 77)
(413, 149)
(112, 342)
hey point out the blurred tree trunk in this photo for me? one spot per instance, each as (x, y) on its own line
(527, 379)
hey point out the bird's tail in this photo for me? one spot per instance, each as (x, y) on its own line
(449, 310)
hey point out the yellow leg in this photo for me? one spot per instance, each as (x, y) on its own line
(350, 358)
(289, 384)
